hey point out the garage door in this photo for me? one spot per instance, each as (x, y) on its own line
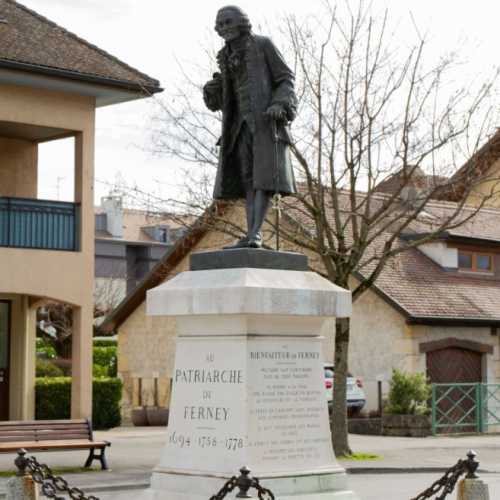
(454, 365)
(456, 406)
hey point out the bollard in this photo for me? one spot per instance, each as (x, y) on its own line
(471, 487)
(22, 486)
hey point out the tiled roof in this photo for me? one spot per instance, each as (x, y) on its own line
(36, 43)
(417, 179)
(484, 223)
(419, 287)
(423, 290)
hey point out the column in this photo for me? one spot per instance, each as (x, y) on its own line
(81, 385)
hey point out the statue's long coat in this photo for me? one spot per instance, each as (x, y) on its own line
(270, 81)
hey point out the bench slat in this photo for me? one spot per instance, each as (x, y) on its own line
(42, 423)
(65, 437)
(28, 430)
(10, 439)
(47, 445)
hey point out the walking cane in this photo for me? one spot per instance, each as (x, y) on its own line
(277, 195)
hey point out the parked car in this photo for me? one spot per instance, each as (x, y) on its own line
(356, 398)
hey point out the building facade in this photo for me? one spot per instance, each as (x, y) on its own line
(128, 244)
(51, 83)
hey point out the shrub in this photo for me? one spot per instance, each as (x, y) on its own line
(408, 394)
(99, 371)
(106, 357)
(45, 368)
(45, 349)
(53, 400)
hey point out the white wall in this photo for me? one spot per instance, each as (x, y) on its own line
(441, 254)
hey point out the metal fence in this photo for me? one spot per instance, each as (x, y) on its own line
(464, 408)
(31, 223)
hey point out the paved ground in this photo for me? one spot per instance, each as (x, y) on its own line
(367, 486)
(398, 475)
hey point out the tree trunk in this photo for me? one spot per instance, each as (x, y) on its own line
(338, 423)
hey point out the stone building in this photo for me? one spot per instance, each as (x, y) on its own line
(51, 83)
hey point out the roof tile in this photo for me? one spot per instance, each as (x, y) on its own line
(29, 38)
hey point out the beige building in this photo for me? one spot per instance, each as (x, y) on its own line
(51, 83)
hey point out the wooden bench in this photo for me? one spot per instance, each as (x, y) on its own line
(52, 435)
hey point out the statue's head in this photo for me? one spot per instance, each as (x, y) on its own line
(231, 23)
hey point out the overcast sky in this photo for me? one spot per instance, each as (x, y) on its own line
(151, 35)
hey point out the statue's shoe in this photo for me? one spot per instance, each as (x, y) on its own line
(242, 243)
(255, 241)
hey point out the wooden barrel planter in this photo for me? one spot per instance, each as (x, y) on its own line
(139, 416)
(157, 416)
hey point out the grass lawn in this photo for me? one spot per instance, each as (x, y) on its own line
(360, 456)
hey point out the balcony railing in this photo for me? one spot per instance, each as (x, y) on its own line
(43, 224)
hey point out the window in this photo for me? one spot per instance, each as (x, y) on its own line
(475, 261)
(484, 262)
(465, 260)
(162, 234)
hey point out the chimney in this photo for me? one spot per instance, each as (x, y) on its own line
(113, 208)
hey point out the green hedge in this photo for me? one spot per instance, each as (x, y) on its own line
(53, 400)
(106, 403)
(105, 342)
(45, 368)
(106, 357)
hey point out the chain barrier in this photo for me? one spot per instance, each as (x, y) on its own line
(50, 484)
(450, 478)
(244, 482)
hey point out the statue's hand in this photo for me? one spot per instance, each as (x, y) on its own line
(276, 112)
(212, 93)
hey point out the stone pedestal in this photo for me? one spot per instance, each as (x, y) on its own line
(248, 384)
(21, 488)
(472, 489)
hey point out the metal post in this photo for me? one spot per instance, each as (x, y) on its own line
(484, 407)
(479, 411)
(244, 483)
(379, 393)
(434, 410)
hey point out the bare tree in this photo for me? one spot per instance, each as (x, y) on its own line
(380, 135)
(108, 293)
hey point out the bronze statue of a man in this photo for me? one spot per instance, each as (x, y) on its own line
(255, 92)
